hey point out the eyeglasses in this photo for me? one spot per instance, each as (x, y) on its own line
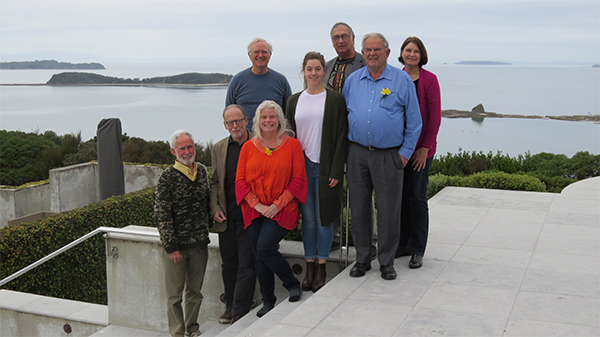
(237, 121)
(337, 37)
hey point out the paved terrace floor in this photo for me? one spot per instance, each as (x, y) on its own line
(498, 263)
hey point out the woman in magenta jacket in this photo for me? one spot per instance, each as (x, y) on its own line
(415, 212)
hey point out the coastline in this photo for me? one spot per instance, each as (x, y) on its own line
(118, 85)
(480, 116)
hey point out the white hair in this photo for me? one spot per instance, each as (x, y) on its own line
(259, 39)
(386, 45)
(176, 135)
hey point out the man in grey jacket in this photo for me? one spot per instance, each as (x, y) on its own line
(239, 277)
(347, 61)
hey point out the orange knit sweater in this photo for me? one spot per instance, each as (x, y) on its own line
(278, 178)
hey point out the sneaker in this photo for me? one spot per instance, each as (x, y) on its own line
(227, 316)
(195, 334)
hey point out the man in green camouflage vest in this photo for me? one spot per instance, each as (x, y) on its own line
(181, 213)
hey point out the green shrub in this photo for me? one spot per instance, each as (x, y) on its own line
(583, 165)
(79, 273)
(503, 181)
(19, 153)
(504, 163)
(546, 164)
(438, 181)
(555, 184)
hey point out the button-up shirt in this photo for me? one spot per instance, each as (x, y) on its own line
(379, 117)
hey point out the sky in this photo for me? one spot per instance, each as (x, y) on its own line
(165, 31)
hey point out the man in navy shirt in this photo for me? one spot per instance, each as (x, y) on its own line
(252, 86)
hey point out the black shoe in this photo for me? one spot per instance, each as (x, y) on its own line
(388, 272)
(360, 269)
(416, 261)
(403, 252)
(266, 308)
(295, 294)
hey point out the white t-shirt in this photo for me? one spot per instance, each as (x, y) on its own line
(309, 123)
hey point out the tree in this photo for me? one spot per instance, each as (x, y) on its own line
(19, 152)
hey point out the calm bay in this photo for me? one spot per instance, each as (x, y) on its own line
(153, 113)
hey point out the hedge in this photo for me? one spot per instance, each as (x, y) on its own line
(492, 180)
(79, 273)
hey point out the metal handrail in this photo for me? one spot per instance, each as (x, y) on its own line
(71, 245)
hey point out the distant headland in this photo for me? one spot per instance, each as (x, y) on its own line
(483, 63)
(49, 64)
(188, 79)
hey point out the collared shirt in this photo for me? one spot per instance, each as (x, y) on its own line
(186, 170)
(383, 120)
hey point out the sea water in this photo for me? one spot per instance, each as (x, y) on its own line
(153, 113)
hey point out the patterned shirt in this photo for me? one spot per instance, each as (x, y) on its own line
(182, 209)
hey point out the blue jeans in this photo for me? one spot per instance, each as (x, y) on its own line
(316, 238)
(265, 235)
(414, 227)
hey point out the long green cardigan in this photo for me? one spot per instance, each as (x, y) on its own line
(334, 149)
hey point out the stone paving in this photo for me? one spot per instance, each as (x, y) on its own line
(498, 263)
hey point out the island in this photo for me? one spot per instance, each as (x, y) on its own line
(478, 114)
(187, 79)
(483, 63)
(49, 64)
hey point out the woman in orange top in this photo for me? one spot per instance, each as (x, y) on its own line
(270, 181)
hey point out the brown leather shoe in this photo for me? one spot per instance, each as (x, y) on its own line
(307, 283)
(227, 316)
(320, 277)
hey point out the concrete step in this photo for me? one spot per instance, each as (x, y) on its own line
(252, 325)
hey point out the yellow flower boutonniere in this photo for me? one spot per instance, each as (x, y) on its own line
(268, 151)
(385, 92)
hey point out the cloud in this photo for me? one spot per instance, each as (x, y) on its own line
(219, 30)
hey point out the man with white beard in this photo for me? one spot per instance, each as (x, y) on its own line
(181, 213)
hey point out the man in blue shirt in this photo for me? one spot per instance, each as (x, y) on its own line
(384, 126)
(252, 86)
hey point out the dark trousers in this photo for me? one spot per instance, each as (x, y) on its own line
(239, 278)
(415, 212)
(265, 235)
(382, 171)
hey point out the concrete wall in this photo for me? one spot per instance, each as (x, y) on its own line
(73, 187)
(26, 315)
(138, 177)
(15, 203)
(136, 284)
(70, 187)
(77, 185)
